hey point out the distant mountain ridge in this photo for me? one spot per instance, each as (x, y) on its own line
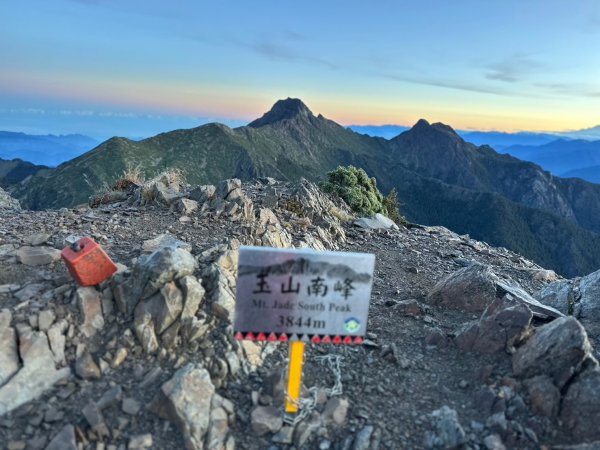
(560, 156)
(48, 150)
(17, 171)
(440, 178)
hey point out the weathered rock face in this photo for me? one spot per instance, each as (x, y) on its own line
(150, 274)
(543, 394)
(475, 287)
(559, 295)
(502, 323)
(9, 357)
(470, 289)
(589, 303)
(186, 400)
(6, 201)
(580, 410)
(557, 349)
(37, 375)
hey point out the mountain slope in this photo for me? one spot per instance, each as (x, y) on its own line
(48, 150)
(17, 171)
(288, 144)
(441, 178)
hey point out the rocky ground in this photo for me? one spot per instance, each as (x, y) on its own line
(460, 353)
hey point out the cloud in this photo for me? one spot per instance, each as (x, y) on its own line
(513, 69)
(279, 52)
(449, 84)
(571, 89)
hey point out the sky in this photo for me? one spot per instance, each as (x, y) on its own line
(137, 67)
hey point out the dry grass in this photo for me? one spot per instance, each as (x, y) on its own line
(132, 175)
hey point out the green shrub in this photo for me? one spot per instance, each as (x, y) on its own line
(392, 206)
(360, 192)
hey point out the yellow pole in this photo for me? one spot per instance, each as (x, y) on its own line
(294, 376)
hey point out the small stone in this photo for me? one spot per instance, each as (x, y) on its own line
(46, 319)
(95, 420)
(17, 445)
(130, 406)
(119, 357)
(283, 436)
(86, 368)
(493, 442)
(140, 442)
(36, 239)
(336, 410)
(362, 440)
(110, 397)
(265, 419)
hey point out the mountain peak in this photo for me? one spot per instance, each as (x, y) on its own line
(424, 126)
(288, 108)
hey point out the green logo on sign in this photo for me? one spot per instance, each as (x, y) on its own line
(352, 325)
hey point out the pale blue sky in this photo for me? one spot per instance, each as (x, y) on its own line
(133, 67)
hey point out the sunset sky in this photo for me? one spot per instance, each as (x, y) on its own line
(133, 67)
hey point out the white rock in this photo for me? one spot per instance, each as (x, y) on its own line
(376, 222)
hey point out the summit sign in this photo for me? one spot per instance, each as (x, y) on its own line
(283, 292)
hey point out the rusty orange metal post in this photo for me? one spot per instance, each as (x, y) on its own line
(87, 262)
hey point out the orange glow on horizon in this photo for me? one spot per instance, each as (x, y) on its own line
(240, 103)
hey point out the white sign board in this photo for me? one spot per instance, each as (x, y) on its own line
(295, 293)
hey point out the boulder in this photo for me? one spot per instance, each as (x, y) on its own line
(37, 256)
(9, 356)
(470, 289)
(475, 287)
(559, 295)
(557, 349)
(90, 306)
(265, 419)
(580, 410)
(449, 434)
(226, 187)
(149, 275)
(502, 323)
(37, 375)
(376, 222)
(186, 206)
(589, 301)
(543, 395)
(203, 194)
(193, 294)
(36, 239)
(185, 400)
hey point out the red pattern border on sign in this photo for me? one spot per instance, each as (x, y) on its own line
(283, 337)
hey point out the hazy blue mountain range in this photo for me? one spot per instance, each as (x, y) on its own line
(589, 134)
(500, 140)
(48, 150)
(591, 174)
(441, 179)
(384, 131)
(562, 157)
